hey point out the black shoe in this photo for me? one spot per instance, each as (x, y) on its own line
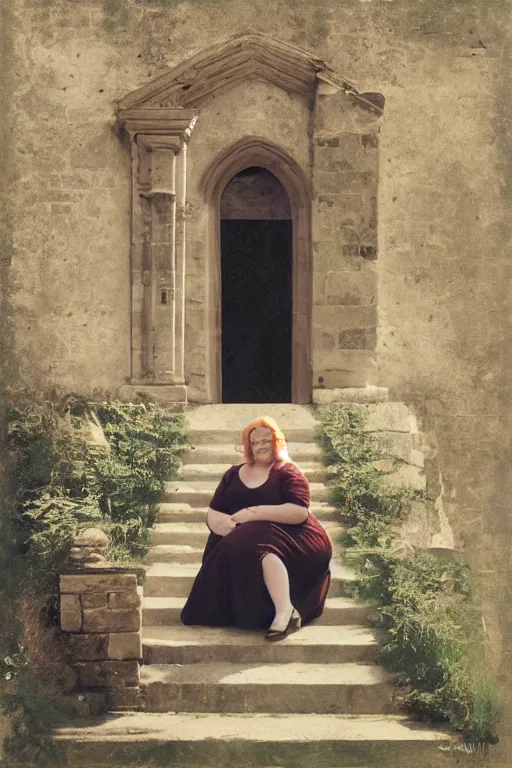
(293, 625)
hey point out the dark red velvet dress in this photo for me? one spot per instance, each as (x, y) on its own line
(229, 589)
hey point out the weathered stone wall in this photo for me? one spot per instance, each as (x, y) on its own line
(443, 231)
(345, 177)
(101, 620)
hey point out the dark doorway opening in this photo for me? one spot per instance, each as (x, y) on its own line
(256, 268)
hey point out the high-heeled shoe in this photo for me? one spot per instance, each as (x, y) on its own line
(293, 625)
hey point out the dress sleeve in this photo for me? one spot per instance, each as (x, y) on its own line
(294, 486)
(219, 501)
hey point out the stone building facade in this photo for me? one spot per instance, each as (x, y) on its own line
(311, 129)
(386, 122)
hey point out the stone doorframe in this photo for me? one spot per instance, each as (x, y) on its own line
(159, 118)
(254, 151)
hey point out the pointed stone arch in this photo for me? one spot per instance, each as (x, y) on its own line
(247, 152)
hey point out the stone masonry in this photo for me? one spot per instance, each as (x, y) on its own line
(442, 184)
(100, 617)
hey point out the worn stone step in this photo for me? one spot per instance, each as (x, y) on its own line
(196, 534)
(192, 534)
(186, 513)
(174, 553)
(165, 611)
(215, 453)
(294, 687)
(185, 554)
(144, 739)
(199, 492)
(223, 423)
(313, 644)
(315, 473)
(171, 580)
(229, 436)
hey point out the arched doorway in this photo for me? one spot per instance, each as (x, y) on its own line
(245, 156)
(256, 289)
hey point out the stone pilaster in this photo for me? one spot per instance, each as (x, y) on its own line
(159, 151)
(101, 620)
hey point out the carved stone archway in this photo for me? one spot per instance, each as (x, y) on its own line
(254, 151)
(159, 119)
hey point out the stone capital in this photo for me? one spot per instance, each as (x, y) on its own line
(155, 122)
(159, 143)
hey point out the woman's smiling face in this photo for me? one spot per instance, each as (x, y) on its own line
(262, 445)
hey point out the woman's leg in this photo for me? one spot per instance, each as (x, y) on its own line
(276, 580)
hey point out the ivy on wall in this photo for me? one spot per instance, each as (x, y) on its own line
(427, 619)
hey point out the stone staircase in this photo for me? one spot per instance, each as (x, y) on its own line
(217, 695)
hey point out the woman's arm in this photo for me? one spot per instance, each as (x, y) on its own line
(217, 518)
(281, 513)
(292, 514)
(219, 522)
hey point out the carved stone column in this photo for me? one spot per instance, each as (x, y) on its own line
(159, 150)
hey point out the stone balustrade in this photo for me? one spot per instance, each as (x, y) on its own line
(101, 619)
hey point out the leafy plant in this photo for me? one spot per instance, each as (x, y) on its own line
(60, 481)
(424, 609)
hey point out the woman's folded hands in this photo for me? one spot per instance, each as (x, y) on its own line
(244, 515)
(220, 522)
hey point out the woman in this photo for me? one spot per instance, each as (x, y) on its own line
(266, 561)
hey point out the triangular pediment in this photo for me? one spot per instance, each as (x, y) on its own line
(242, 58)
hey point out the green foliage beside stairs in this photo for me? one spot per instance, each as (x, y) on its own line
(425, 611)
(70, 465)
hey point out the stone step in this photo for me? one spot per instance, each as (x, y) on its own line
(199, 492)
(174, 553)
(227, 436)
(233, 454)
(171, 580)
(313, 644)
(195, 534)
(284, 688)
(165, 611)
(223, 423)
(185, 554)
(391, 416)
(143, 739)
(315, 473)
(186, 513)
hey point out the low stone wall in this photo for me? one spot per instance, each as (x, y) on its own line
(101, 620)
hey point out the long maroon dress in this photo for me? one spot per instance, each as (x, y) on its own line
(229, 589)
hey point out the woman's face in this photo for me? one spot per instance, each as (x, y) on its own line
(262, 445)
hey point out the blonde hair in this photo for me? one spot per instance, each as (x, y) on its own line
(279, 450)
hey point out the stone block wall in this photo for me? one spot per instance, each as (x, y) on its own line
(345, 179)
(101, 619)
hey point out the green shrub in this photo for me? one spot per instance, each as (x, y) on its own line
(428, 622)
(59, 482)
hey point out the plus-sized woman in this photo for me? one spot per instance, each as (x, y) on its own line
(266, 561)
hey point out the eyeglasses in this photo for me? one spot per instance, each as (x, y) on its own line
(261, 442)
